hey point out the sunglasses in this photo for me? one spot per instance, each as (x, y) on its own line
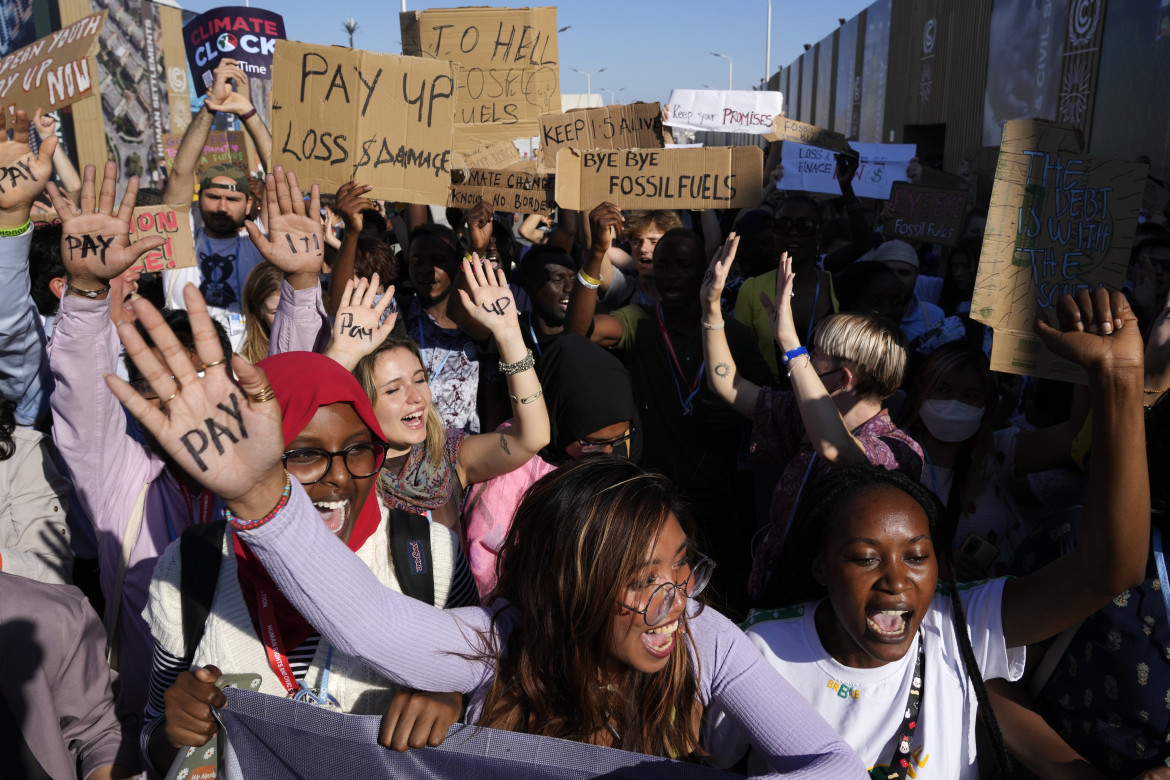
(598, 446)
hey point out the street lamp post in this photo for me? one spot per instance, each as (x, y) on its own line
(612, 92)
(588, 79)
(768, 48)
(724, 56)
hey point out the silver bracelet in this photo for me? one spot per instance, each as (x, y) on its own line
(588, 285)
(707, 326)
(508, 369)
(528, 398)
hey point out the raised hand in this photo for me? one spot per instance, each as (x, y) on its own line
(479, 227)
(356, 328)
(780, 312)
(488, 300)
(294, 243)
(351, 201)
(416, 719)
(225, 435)
(188, 707)
(1098, 331)
(23, 175)
(716, 276)
(95, 242)
(605, 222)
(221, 97)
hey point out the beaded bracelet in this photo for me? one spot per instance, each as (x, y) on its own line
(588, 282)
(508, 369)
(528, 398)
(20, 231)
(248, 525)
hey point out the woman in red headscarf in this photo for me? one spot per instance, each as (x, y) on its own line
(335, 448)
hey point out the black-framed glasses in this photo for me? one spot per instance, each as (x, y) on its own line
(310, 464)
(783, 226)
(598, 446)
(663, 598)
(142, 385)
(830, 371)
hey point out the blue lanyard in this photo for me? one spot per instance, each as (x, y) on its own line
(1160, 560)
(687, 403)
(422, 347)
(320, 698)
(535, 342)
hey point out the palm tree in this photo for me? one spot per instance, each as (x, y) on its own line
(350, 25)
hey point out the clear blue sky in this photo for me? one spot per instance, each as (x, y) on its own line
(647, 47)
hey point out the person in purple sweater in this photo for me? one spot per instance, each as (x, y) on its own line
(593, 636)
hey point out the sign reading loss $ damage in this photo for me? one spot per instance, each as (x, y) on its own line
(1059, 221)
(54, 71)
(714, 177)
(340, 114)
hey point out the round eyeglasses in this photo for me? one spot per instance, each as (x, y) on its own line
(310, 464)
(663, 599)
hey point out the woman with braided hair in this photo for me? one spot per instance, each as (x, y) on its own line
(896, 663)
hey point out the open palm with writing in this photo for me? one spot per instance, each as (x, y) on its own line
(488, 300)
(23, 175)
(358, 328)
(294, 243)
(95, 240)
(225, 435)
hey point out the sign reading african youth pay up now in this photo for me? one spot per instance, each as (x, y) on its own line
(1059, 221)
(341, 114)
(54, 71)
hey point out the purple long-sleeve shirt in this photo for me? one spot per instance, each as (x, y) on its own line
(109, 468)
(426, 648)
(300, 323)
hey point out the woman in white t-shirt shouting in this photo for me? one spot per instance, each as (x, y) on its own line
(897, 664)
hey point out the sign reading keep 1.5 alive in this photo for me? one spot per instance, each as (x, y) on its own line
(247, 35)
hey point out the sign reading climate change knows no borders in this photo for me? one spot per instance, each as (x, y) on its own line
(715, 177)
(247, 35)
(737, 111)
(54, 71)
(341, 114)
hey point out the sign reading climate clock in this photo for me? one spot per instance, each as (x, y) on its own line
(247, 35)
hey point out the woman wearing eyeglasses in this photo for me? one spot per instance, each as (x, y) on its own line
(334, 449)
(591, 410)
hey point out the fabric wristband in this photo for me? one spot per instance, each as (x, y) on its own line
(793, 354)
(244, 117)
(20, 231)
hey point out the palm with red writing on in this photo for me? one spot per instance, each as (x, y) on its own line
(95, 241)
(294, 243)
(23, 175)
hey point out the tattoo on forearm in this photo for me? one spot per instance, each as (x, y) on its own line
(722, 370)
(499, 307)
(504, 444)
(196, 441)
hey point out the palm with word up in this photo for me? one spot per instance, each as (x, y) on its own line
(95, 241)
(22, 174)
(488, 299)
(294, 243)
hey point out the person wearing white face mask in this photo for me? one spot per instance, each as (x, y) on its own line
(967, 465)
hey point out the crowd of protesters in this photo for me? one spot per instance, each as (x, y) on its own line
(732, 487)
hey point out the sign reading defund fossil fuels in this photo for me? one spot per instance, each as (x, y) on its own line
(341, 114)
(1059, 221)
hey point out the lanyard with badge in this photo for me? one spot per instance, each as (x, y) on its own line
(278, 659)
(204, 516)
(687, 403)
(899, 764)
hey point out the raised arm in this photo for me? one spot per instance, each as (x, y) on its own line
(358, 328)
(489, 302)
(822, 420)
(351, 200)
(1099, 332)
(724, 380)
(606, 330)
(70, 180)
(222, 98)
(410, 642)
(181, 177)
(860, 240)
(22, 347)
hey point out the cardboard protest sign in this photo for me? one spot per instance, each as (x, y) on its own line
(812, 169)
(341, 114)
(636, 126)
(508, 67)
(785, 129)
(528, 192)
(1059, 221)
(172, 223)
(223, 147)
(925, 214)
(54, 71)
(247, 35)
(494, 157)
(713, 177)
(739, 111)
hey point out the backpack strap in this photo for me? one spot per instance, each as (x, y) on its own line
(114, 604)
(410, 549)
(200, 553)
